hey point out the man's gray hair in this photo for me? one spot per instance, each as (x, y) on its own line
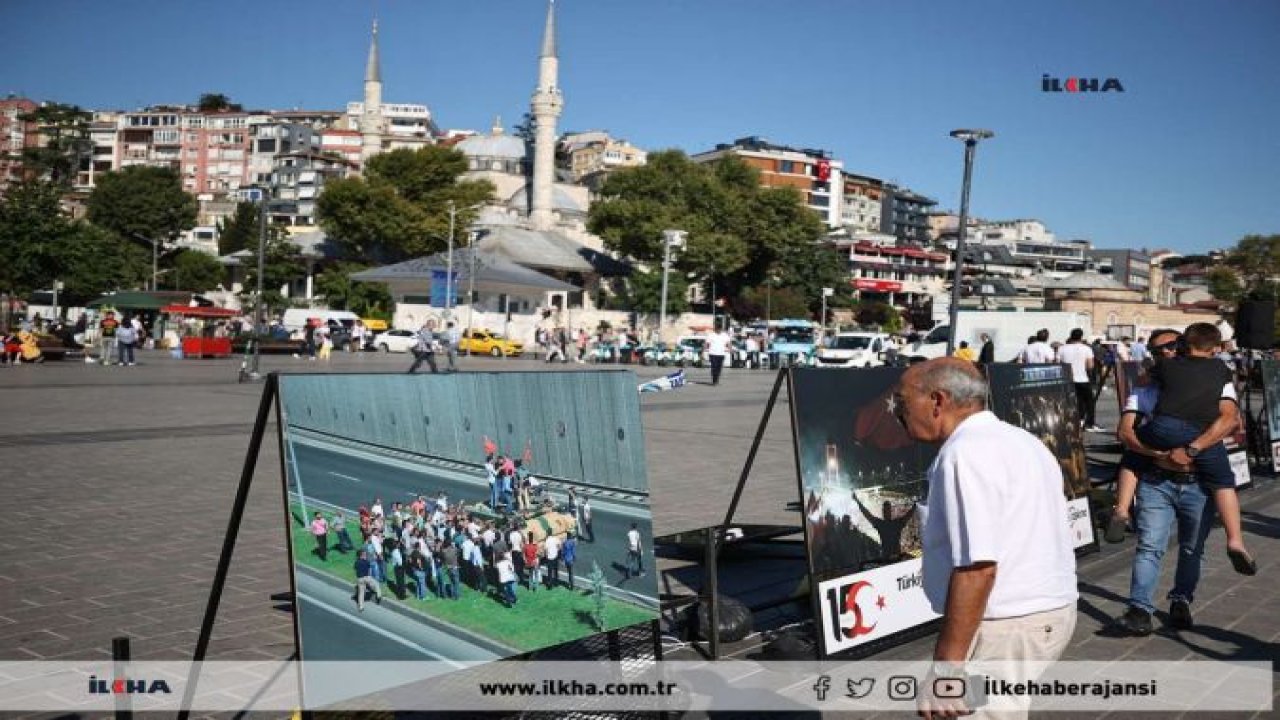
(964, 385)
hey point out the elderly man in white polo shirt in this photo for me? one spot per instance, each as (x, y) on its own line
(998, 558)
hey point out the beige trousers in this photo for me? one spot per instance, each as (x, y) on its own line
(1039, 637)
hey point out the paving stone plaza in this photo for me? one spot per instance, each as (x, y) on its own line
(118, 483)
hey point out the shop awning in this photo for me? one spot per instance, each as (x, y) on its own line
(134, 300)
(200, 312)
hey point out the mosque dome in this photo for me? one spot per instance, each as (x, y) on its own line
(496, 145)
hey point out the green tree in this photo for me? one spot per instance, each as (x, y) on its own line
(643, 293)
(216, 102)
(1257, 258)
(738, 231)
(340, 292)
(197, 271)
(400, 208)
(1224, 284)
(774, 303)
(32, 226)
(240, 230)
(280, 266)
(141, 204)
(92, 261)
(66, 142)
(40, 244)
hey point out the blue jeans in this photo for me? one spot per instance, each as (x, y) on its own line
(455, 582)
(509, 592)
(126, 353)
(1161, 503)
(420, 583)
(1166, 433)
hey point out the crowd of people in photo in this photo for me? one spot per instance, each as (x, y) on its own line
(434, 549)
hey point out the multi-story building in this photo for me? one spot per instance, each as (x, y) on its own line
(297, 179)
(406, 125)
(341, 143)
(1028, 240)
(905, 214)
(275, 138)
(105, 155)
(899, 275)
(1131, 267)
(863, 203)
(593, 155)
(16, 134)
(813, 172)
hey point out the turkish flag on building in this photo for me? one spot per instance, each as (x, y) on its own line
(823, 169)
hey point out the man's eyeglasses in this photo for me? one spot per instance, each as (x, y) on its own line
(1171, 346)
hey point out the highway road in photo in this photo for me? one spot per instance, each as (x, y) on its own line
(349, 478)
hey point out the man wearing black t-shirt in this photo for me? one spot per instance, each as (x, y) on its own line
(1190, 392)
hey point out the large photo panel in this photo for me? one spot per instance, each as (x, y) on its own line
(1041, 399)
(861, 478)
(464, 517)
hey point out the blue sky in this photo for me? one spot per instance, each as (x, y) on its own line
(1187, 158)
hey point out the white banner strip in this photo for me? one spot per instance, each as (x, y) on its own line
(636, 685)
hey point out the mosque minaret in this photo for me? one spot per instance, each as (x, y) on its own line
(547, 106)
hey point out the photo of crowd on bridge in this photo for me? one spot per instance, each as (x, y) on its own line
(465, 517)
(860, 475)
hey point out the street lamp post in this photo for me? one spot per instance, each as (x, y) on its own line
(471, 284)
(670, 239)
(970, 139)
(826, 293)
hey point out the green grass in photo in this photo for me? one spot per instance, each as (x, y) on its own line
(540, 618)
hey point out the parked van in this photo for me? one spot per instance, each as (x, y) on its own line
(296, 318)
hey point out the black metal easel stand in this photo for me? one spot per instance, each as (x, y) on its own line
(269, 391)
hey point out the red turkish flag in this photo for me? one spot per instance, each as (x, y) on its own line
(878, 426)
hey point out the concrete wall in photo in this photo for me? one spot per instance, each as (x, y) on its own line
(577, 426)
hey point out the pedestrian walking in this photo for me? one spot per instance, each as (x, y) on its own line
(586, 518)
(126, 341)
(556, 340)
(452, 338)
(635, 556)
(998, 561)
(344, 538)
(1080, 357)
(320, 531)
(365, 580)
(717, 348)
(424, 350)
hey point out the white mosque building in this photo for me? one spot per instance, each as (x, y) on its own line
(537, 219)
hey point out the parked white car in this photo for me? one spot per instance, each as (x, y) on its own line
(400, 341)
(854, 349)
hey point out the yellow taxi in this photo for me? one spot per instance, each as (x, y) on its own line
(484, 341)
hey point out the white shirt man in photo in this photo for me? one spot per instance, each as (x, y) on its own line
(998, 559)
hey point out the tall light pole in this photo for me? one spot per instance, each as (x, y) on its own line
(970, 139)
(448, 280)
(826, 293)
(471, 283)
(670, 239)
